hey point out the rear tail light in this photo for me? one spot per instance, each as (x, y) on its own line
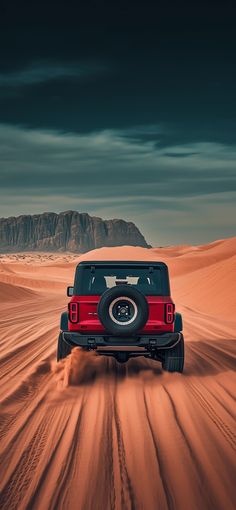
(169, 313)
(74, 312)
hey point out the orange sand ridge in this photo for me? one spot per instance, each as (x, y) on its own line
(91, 434)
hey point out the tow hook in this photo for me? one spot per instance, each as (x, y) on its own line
(92, 343)
(122, 357)
(152, 343)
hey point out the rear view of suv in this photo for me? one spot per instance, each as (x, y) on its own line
(123, 309)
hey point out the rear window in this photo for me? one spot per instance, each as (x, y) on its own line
(95, 280)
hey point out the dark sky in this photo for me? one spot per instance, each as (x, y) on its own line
(121, 109)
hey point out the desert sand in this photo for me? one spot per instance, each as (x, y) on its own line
(88, 433)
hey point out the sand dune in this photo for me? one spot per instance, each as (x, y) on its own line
(211, 288)
(12, 293)
(183, 260)
(88, 433)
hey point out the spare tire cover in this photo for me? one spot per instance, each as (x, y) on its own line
(123, 310)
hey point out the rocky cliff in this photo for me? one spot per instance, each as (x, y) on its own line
(67, 231)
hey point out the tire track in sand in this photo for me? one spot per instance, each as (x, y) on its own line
(225, 430)
(15, 489)
(126, 485)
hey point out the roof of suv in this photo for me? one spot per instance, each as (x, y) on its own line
(121, 263)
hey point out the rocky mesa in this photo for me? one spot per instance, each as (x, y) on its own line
(66, 231)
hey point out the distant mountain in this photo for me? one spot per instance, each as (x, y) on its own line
(67, 231)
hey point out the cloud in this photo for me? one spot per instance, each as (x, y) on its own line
(102, 162)
(46, 71)
(112, 173)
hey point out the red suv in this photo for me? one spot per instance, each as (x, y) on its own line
(123, 309)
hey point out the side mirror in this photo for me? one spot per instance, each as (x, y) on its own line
(70, 291)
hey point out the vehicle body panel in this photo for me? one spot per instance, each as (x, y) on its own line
(89, 321)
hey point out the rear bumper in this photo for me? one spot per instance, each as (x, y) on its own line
(161, 341)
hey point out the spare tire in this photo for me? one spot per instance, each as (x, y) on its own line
(123, 310)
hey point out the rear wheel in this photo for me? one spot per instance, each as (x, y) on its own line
(63, 349)
(173, 359)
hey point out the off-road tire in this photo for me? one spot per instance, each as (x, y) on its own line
(64, 322)
(142, 310)
(173, 358)
(178, 326)
(63, 349)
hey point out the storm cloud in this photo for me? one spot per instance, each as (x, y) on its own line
(113, 172)
(121, 110)
(45, 71)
